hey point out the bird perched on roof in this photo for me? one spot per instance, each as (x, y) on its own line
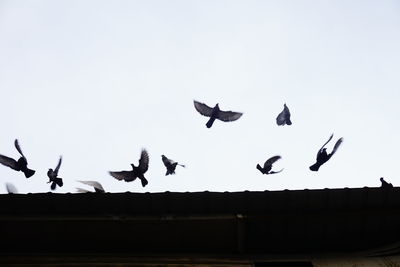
(385, 184)
(136, 172)
(284, 117)
(323, 156)
(215, 113)
(98, 188)
(20, 165)
(170, 165)
(53, 176)
(268, 166)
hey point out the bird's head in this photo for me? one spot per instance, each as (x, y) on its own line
(381, 179)
(133, 166)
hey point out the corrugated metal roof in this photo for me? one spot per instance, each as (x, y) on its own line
(238, 224)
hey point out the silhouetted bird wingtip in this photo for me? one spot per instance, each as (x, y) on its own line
(98, 188)
(11, 189)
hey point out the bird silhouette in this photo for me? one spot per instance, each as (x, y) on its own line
(385, 184)
(136, 172)
(284, 117)
(215, 113)
(323, 156)
(20, 165)
(11, 189)
(170, 165)
(98, 188)
(268, 166)
(53, 176)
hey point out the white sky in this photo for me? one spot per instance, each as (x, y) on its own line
(95, 81)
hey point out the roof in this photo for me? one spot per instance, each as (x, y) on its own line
(241, 225)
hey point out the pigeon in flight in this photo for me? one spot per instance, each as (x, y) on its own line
(215, 113)
(284, 117)
(323, 156)
(53, 176)
(98, 188)
(136, 172)
(385, 184)
(11, 189)
(268, 166)
(20, 165)
(170, 165)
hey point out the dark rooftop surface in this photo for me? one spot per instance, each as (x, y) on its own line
(246, 225)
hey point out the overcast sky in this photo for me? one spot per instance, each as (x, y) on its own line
(97, 81)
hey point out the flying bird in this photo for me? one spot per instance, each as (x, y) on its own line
(215, 113)
(284, 117)
(170, 165)
(136, 172)
(98, 188)
(53, 176)
(20, 165)
(268, 166)
(323, 156)
(385, 184)
(11, 189)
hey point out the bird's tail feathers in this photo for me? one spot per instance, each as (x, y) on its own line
(210, 122)
(28, 173)
(144, 181)
(59, 182)
(53, 186)
(315, 167)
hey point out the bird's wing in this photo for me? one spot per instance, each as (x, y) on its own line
(271, 161)
(16, 144)
(167, 162)
(203, 109)
(58, 166)
(338, 143)
(274, 172)
(94, 184)
(144, 161)
(286, 110)
(11, 189)
(9, 162)
(280, 120)
(229, 115)
(330, 138)
(81, 190)
(123, 175)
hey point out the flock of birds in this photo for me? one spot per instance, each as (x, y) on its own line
(138, 172)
